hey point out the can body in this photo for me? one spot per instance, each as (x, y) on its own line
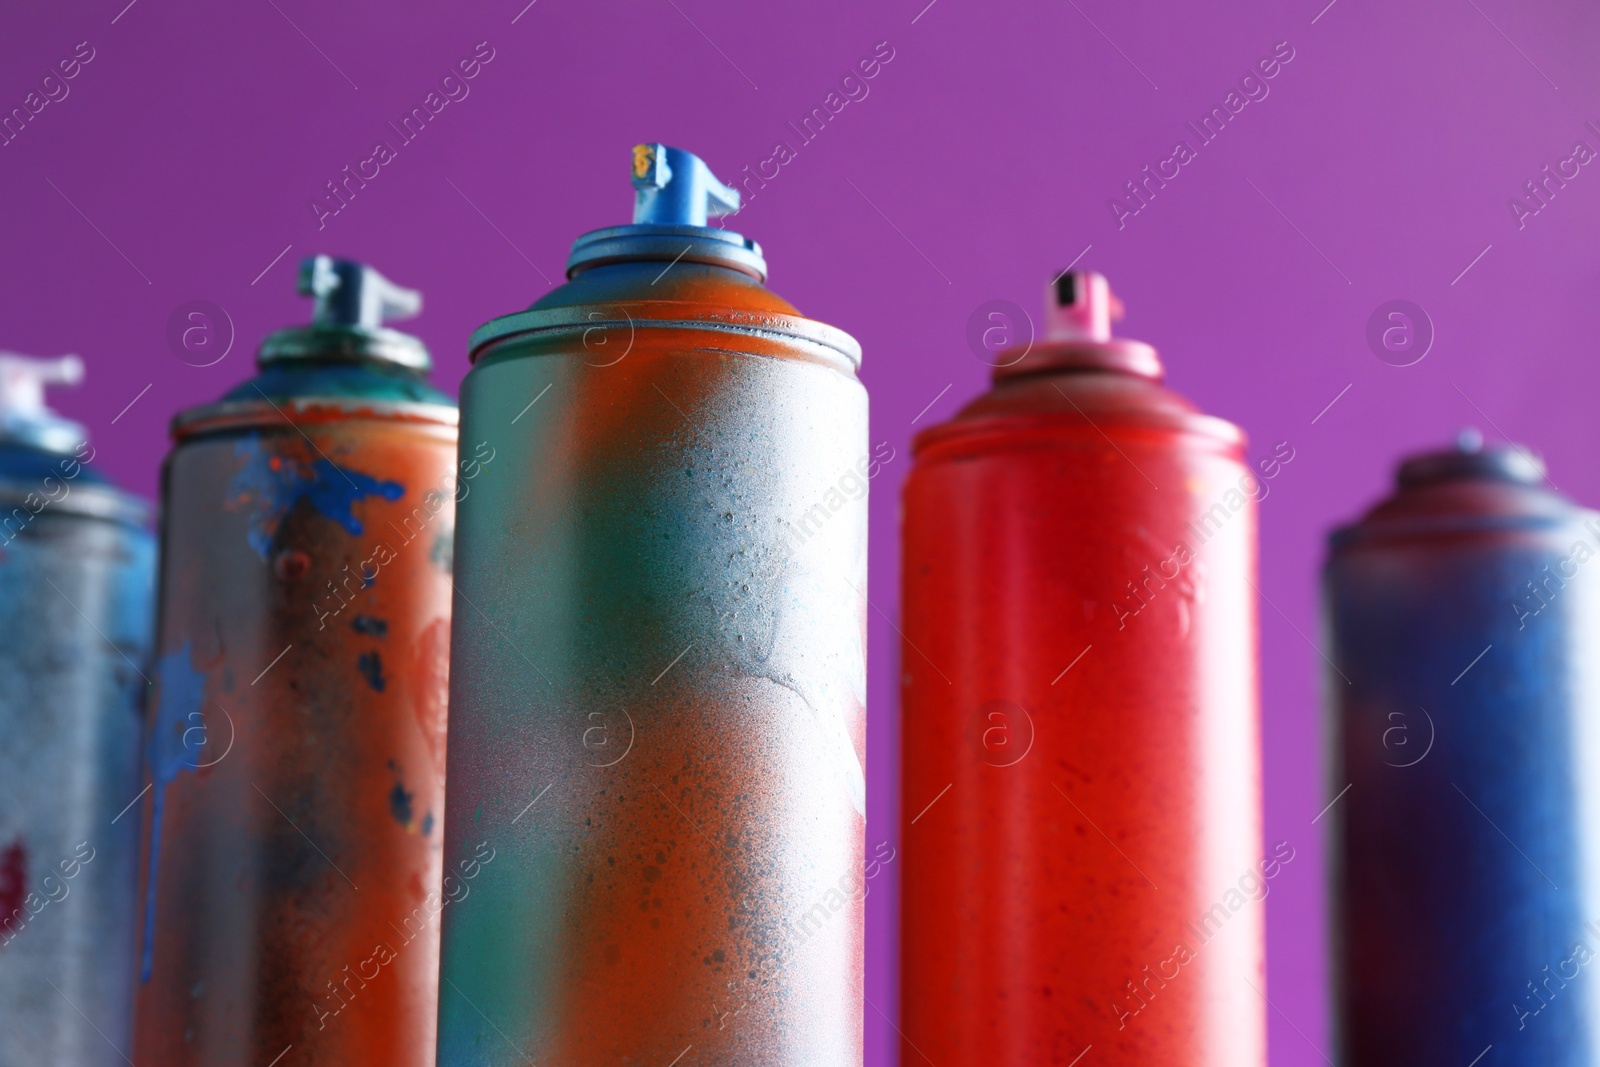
(1462, 620)
(75, 628)
(657, 726)
(295, 754)
(1080, 783)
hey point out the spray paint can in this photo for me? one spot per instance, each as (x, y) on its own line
(1463, 697)
(76, 581)
(1080, 736)
(295, 753)
(658, 693)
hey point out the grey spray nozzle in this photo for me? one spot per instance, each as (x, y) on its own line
(673, 187)
(353, 294)
(347, 326)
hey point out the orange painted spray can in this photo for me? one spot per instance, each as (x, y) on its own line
(658, 703)
(294, 759)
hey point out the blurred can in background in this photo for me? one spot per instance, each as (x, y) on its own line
(295, 753)
(658, 682)
(1463, 703)
(1080, 777)
(76, 574)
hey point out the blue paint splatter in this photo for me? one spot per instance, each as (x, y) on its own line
(427, 824)
(371, 668)
(271, 484)
(369, 625)
(400, 805)
(176, 738)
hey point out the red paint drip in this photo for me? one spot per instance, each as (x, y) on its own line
(13, 886)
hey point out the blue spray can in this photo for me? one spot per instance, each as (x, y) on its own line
(76, 577)
(1463, 695)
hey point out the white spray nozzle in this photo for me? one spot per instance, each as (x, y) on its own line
(24, 416)
(23, 378)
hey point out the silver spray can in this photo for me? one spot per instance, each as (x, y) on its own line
(657, 691)
(76, 577)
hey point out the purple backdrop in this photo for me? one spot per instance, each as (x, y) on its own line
(1380, 164)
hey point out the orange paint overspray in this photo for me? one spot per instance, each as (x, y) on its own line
(295, 763)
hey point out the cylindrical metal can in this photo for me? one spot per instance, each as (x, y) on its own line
(1081, 786)
(76, 580)
(657, 725)
(295, 754)
(1463, 700)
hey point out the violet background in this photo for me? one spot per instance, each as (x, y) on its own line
(981, 162)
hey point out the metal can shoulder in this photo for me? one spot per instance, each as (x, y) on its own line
(684, 296)
(1463, 492)
(35, 482)
(307, 410)
(313, 393)
(1022, 409)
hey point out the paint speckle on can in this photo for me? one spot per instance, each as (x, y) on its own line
(371, 667)
(13, 886)
(269, 484)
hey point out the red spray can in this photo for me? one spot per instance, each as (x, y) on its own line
(295, 752)
(1081, 788)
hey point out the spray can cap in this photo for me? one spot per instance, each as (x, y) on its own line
(1079, 310)
(353, 301)
(1079, 306)
(25, 419)
(353, 294)
(676, 188)
(675, 195)
(1472, 458)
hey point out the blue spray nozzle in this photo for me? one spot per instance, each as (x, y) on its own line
(673, 187)
(353, 294)
(675, 194)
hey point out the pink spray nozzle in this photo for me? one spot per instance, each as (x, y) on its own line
(1079, 306)
(1079, 311)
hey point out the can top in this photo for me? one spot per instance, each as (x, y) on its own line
(1076, 379)
(669, 271)
(675, 195)
(1469, 487)
(40, 448)
(345, 357)
(1079, 310)
(353, 301)
(1470, 459)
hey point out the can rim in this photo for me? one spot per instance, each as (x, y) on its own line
(1016, 427)
(345, 344)
(1353, 534)
(209, 418)
(657, 242)
(765, 325)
